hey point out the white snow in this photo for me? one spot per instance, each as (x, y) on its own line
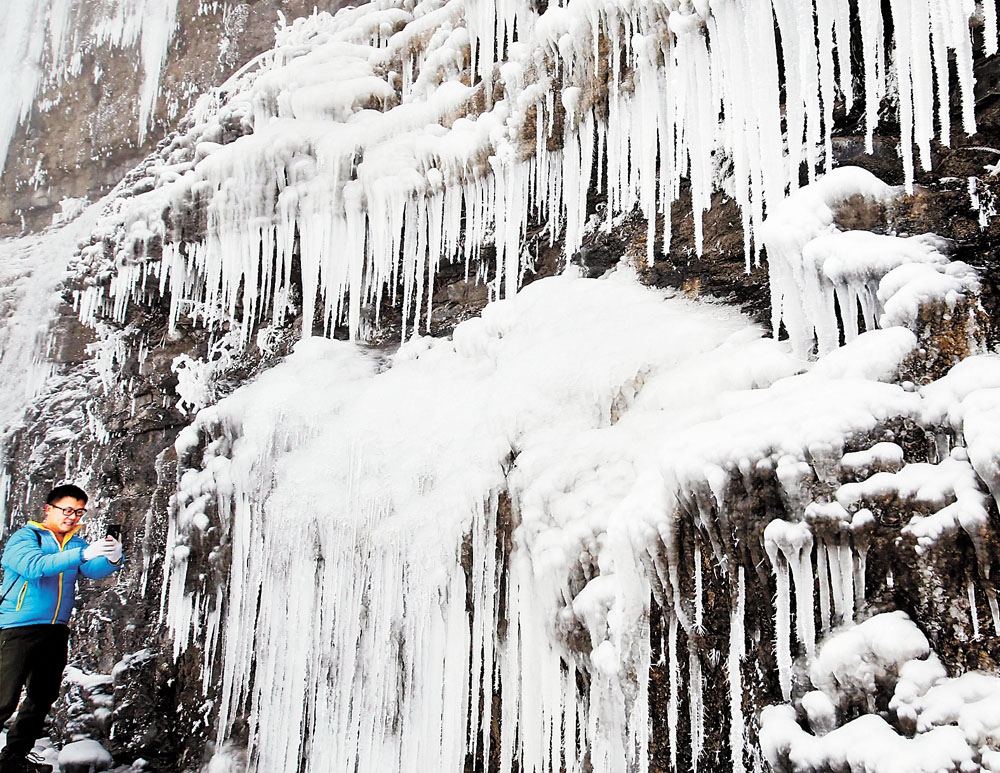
(881, 457)
(931, 722)
(85, 680)
(853, 662)
(86, 752)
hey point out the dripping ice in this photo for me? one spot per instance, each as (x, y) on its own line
(358, 143)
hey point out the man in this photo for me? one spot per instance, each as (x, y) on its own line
(40, 565)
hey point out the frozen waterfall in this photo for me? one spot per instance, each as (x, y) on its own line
(45, 41)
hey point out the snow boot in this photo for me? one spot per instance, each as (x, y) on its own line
(32, 763)
(39, 763)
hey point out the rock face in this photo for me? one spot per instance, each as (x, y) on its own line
(111, 414)
(82, 136)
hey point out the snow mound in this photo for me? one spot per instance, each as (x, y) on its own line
(84, 756)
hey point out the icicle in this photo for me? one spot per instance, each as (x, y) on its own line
(845, 566)
(789, 547)
(825, 20)
(699, 594)
(782, 625)
(991, 32)
(675, 685)
(860, 568)
(836, 581)
(802, 572)
(970, 589)
(737, 638)
(991, 597)
(919, 27)
(823, 574)
(696, 706)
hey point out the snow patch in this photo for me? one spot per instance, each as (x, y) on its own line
(914, 718)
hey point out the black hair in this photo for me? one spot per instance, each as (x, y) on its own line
(66, 490)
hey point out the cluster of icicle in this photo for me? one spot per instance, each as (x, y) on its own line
(821, 275)
(363, 510)
(46, 41)
(359, 602)
(374, 144)
(826, 551)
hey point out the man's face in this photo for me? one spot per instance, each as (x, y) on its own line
(61, 517)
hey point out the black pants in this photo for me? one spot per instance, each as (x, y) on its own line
(33, 657)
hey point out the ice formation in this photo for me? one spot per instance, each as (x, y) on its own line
(45, 42)
(789, 546)
(382, 518)
(589, 419)
(823, 278)
(30, 275)
(374, 144)
(330, 482)
(913, 717)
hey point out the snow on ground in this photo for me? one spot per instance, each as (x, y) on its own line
(87, 753)
(80, 755)
(89, 702)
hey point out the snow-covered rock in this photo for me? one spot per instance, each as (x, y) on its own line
(87, 756)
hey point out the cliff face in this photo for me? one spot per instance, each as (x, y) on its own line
(90, 123)
(601, 523)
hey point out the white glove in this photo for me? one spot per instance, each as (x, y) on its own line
(104, 547)
(115, 555)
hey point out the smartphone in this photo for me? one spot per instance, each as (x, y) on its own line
(115, 530)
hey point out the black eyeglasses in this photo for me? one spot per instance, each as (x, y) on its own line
(70, 511)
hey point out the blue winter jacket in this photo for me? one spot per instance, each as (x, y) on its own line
(39, 576)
